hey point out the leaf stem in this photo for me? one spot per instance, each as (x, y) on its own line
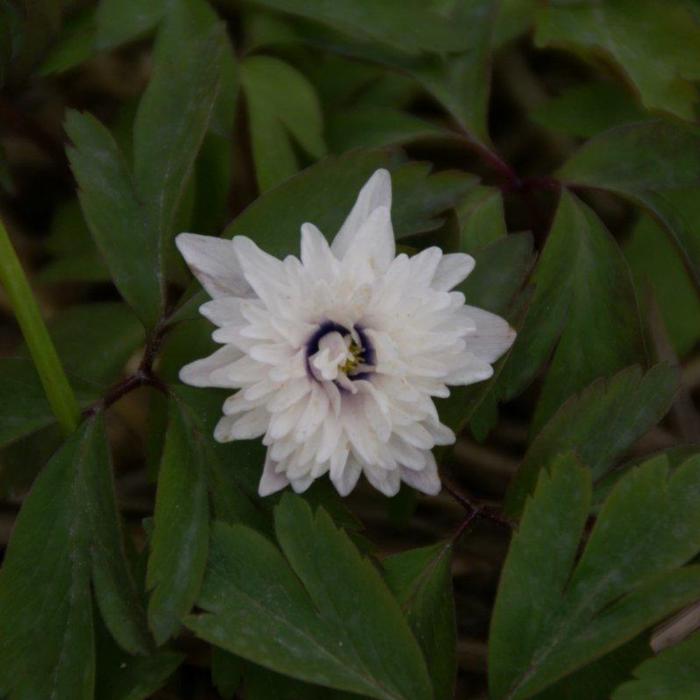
(58, 390)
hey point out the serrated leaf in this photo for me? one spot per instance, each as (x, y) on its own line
(584, 299)
(674, 674)
(66, 534)
(181, 527)
(188, 58)
(626, 160)
(116, 215)
(599, 424)
(421, 580)
(658, 51)
(336, 625)
(554, 614)
(282, 105)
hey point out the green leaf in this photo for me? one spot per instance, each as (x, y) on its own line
(119, 21)
(336, 626)
(554, 614)
(111, 332)
(226, 672)
(462, 82)
(328, 191)
(263, 684)
(58, 390)
(655, 260)
(421, 580)
(109, 329)
(501, 269)
(584, 298)
(374, 127)
(675, 674)
(598, 680)
(282, 105)
(416, 28)
(586, 110)
(481, 219)
(515, 17)
(626, 161)
(66, 534)
(121, 676)
(599, 424)
(74, 44)
(181, 528)
(658, 51)
(188, 57)
(75, 256)
(116, 216)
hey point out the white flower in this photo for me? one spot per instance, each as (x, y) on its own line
(337, 356)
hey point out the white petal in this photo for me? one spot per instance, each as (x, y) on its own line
(316, 254)
(264, 272)
(373, 244)
(250, 425)
(423, 266)
(453, 269)
(388, 481)
(224, 311)
(300, 485)
(199, 372)
(426, 480)
(471, 372)
(375, 193)
(214, 263)
(345, 479)
(493, 335)
(271, 481)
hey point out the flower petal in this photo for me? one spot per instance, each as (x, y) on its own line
(426, 480)
(346, 478)
(374, 243)
(198, 373)
(271, 481)
(375, 193)
(493, 335)
(214, 263)
(452, 269)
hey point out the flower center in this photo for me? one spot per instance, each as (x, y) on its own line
(338, 354)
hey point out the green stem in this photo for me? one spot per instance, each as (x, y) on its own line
(58, 390)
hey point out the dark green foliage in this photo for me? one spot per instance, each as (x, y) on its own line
(554, 614)
(335, 625)
(557, 143)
